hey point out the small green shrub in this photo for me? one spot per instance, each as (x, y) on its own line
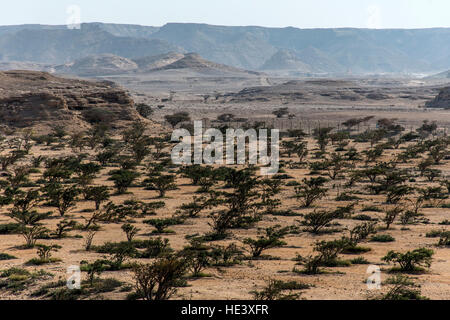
(162, 224)
(274, 291)
(411, 260)
(444, 239)
(434, 233)
(382, 238)
(371, 209)
(359, 260)
(10, 228)
(402, 288)
(5, 256)
(346, 197)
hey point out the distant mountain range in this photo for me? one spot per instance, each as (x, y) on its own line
(62, 45)
(331, 51)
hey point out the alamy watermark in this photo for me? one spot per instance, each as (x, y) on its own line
(74, 17)
(374, 280)
(209, 147)
(73, 277)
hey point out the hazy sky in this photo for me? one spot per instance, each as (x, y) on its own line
(271, 13)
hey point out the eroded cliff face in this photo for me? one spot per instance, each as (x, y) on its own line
(442, 100)
(30, 98)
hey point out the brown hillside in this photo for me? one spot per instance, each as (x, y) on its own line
(29, 98)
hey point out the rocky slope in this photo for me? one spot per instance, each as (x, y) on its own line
(30, 98)
(195, 62)
(105, 64)
(442, 100)
(147, 64)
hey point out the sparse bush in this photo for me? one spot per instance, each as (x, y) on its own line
(270, 239)
(391, 215)
(359, 260)
(162, 224)
(382, 238)
(401, 288)
(154, 248)
(31, 234)
(193, 209)
(281, 112)
(275, 288)
(444, 239)
(322, 136)
(144, 110)
(411, 260)
(311, 190)
(6, 256)
(63, 198)
(198, 257)
(44, 254)
(98, 194)
(88, 240)
(177, 118)
(16, 279)
(123, 179)
(63, 227)
(161, 183)
(130, 231)
(317, 220)
(226, 256)
(157, 281)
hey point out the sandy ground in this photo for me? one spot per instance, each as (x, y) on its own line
(346, 283)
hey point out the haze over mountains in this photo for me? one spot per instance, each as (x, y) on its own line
(58, 46)
(441, 75)
(317, 51)
(109, 64)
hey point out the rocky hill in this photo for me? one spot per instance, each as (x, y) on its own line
(195, 62)
(286, 60)
(147, 64)
(442, 100)
(30, 98)
(320, 61)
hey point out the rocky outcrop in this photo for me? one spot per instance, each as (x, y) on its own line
(194, 62)
(30, 98)
(442, 100)
(147, 64)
